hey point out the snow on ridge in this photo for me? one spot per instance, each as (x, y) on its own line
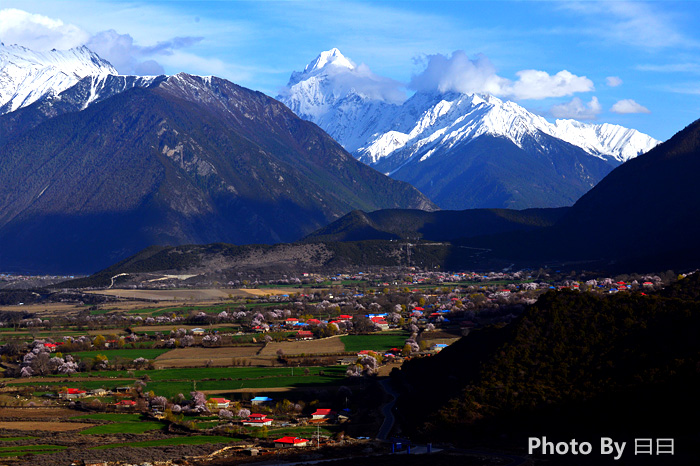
(373, 128)
(454, 118)
(27, 75)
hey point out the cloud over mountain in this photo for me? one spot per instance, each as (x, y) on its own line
(38, 32)
(577, 109)
(43, 33)
(459, 73)
(628, 106)
(130, 58)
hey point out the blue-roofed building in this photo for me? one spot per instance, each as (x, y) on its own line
(259, 400)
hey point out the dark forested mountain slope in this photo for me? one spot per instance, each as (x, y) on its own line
(642, 216)
(190, 160)
(574, 364)
(442, 225)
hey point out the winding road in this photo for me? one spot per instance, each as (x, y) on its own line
(387, 411)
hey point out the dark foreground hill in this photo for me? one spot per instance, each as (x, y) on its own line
(383, 238)
(444, 225)
(574, 365)
(188, 160)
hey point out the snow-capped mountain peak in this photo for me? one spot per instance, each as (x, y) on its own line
(27, 75)
(443, 141)
(373, 128)
(331, 57)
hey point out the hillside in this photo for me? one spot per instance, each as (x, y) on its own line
(574, 364)
(444, 225)
(640, 217)
(189, 160)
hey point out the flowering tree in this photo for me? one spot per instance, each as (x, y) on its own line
(199, 401)
(225, 414)
(187, 340)
(159, 401)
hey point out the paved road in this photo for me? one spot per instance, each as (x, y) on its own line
(387, 411)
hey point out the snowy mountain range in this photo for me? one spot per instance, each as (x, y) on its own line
(462, 150)
(398, 138)
(95, 172)
(72, 79)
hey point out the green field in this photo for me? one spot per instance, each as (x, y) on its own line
(30, 449)
(375, 342)
(170, 382)
(122, 424)
(180, 310)
(130, 353)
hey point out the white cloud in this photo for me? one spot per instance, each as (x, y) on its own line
(363, 81)
(533, 84)
(130, 58)
(628, 106)
(459, 73)
(641, 24)
(613, 81)
(671, 68)
(577, 109)
(38, 32)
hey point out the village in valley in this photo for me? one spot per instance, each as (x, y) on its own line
(156, 367)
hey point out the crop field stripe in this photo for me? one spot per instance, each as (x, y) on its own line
(374, 342)
(124, 428)
(148, 353)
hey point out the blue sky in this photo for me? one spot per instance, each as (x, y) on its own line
(636, 64)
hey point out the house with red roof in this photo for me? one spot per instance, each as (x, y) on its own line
(380, 322)
(304, 335)
(51, 347)
(285, 442)
(218, 403)
(126, 404)
(257, 420)
(324, 414)
(71, 393)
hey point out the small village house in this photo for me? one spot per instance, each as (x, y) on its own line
(218, 403)
(71, 394)
(257, 420)
(285, 442)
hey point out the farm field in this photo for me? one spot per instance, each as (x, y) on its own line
(221, 356)
(44, 426)
(190, 294)
(130, 354)
(170, 382)
(375, 341)
(121, 423)
(320, 346)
